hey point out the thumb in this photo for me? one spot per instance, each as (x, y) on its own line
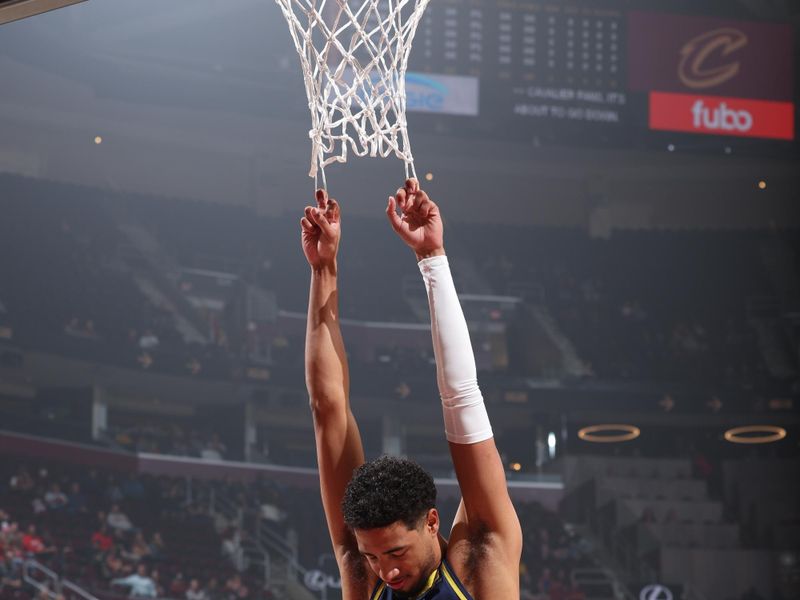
(391, 213)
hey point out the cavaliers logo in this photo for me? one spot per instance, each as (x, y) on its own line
(701, 56)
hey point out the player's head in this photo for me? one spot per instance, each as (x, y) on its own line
(390, 506)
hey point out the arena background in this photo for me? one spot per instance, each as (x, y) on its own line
(620, 183)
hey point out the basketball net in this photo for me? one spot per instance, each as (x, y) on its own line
(354, 55)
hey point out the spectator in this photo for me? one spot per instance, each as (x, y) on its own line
(574, 593)
(33, 543)
(38, 506)
(138, 550)
(101, 540)
(545, 582)
(118, 520)
(156, 547)
(232, 550)
(76, 500)
(212, 589)
(235, 589)
(22, 481)
(140, 584)
(10, 572)
(177, 587)
(195, 592)
(54, 498)
(155, 575)
(112, 566)
(215, 449)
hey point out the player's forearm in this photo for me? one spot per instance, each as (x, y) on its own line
(466, 420)
(327, 377)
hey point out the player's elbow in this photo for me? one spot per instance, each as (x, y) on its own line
(323, 403)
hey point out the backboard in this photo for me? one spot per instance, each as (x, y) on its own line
(12, 10)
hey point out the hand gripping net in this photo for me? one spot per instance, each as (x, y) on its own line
(354, 55)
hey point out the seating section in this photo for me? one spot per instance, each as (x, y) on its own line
(98, 525)
(640, 305)
(650, 305)
(764, 495)
(66, 290)
(659, 520)
(83, 538)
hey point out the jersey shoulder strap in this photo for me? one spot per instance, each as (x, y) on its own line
(453, 582)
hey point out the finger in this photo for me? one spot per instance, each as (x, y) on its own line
(306, 225)
(333, 211)
(309, 212)
(322, 197)
(321, 220)
(423, 203)
(394, 219)
(415, 202)
(402, 198)
(412, 185)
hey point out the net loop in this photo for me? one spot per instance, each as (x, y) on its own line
(354, 56)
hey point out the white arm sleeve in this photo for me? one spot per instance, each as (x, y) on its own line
(465, 417)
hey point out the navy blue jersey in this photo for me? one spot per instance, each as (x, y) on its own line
(442, 585)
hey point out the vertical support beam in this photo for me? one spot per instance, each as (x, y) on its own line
(250, 430)
(99, 412)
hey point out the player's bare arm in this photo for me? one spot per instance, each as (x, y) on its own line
(339, 448)
(486, 524)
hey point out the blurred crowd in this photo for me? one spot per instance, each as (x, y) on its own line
(105, 532)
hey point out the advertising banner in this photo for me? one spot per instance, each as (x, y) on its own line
(713, 76)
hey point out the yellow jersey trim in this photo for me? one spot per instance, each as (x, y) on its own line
(452, 583)
(379, 591)
(432, 579)
(429, 583)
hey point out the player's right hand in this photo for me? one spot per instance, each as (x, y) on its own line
(321, 231)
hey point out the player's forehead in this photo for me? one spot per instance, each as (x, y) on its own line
(381, 540)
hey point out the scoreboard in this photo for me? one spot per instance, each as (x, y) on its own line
(553, 71)
(522, 42)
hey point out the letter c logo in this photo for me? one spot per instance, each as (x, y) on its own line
(697, 51)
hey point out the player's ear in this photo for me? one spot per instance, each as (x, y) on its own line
(432, 521)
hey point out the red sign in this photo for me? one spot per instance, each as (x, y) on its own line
(722, 116)
(703, 55)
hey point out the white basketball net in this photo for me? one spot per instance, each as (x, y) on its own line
(354, 55)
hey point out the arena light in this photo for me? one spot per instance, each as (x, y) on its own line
(765, 434)
(609, 433)
(13, 10)
(762, 185)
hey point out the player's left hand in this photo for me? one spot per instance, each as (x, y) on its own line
(420, 225)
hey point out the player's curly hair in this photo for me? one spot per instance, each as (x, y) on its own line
(386, 490)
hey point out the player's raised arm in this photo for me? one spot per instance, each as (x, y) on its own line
(487, 509)
(339, 448)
